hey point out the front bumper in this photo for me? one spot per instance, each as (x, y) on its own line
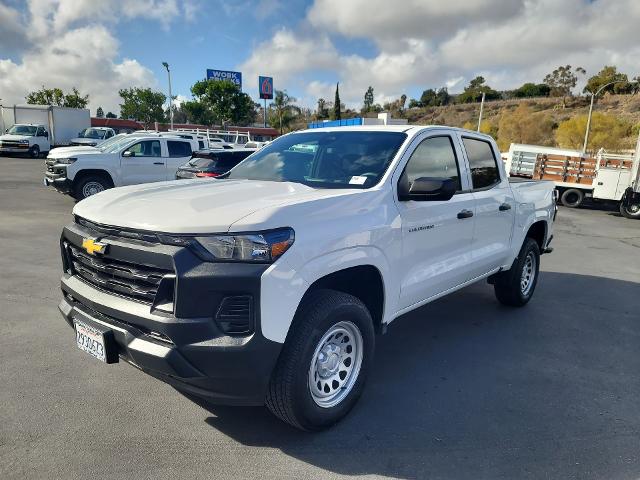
(58, 181)
(21, 149)
(186, 348)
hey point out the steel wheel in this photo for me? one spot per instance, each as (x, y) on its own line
(528, 274)
(91, 188)
(335, 364)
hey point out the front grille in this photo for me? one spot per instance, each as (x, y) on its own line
(235, 314)
(137, 282)
(14, 144)
(118, 232)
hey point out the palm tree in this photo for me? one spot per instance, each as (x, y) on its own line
(284, 109)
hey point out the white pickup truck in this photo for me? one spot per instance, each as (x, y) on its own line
(121, 160)
(267, 286)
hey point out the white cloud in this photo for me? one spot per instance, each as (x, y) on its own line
(427, 44)
(66, 43)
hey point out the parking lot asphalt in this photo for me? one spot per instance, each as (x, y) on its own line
(462, 388)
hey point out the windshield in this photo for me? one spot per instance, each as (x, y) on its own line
(29, 130)
(92, 133)
(115, 143)
(322, 159)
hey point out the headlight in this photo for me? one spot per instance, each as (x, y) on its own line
(65, 161)
(24, 141)
(261, 247)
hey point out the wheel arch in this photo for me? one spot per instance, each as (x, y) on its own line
(538, 232)
(93, 171)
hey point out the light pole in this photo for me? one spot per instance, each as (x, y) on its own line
(481, 109)
(594, 95)
(166, 65)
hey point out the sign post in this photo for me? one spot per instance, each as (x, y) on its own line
(265, 87)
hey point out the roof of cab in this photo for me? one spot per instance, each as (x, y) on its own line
(410, 130)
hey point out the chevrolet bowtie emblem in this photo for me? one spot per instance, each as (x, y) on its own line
(92, 247)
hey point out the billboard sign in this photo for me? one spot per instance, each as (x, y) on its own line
(265, 87)
(235, 77)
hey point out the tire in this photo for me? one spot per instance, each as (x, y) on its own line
(90, 185)
(34, 151)
(515, 286)
(329, 325)
(630, 211)
(572, 198)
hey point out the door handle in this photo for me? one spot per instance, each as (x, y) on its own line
(158, 163)
(504, 207)
(465, 214)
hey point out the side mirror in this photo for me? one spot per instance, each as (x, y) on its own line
(128, 153)
(426, 189)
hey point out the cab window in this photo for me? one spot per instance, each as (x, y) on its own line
(179, 149)
(147, 148)
(482, 162)
(435, 158)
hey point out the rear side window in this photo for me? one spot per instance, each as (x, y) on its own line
(435, 158)
(484, 169)
(179, 149)
(200, 144)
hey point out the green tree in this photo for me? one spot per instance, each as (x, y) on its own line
(607, 131)
(284, 110)
(413, 103)
(100, 113)
(322, 111)
(442, 96)
(111, 115)
(473, 92)
(224, 101)
(532, 90)
(522, 125)
(142, 104)
(55, 96)
(368, 99)
(336, 104)
(197, 112)
(562, 80)
(607, 75)
(428, 98)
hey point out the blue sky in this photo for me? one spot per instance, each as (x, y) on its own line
(398, 47)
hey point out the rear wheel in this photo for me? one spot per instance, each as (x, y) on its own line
(630, 211)
(572, 198)
(324, 363)
(90, 185)
(515, 287)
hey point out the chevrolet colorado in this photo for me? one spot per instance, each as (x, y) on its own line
(268, 284)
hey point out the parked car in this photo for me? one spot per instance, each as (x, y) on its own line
(93, 136)
(212, 163)
(269, 284)
(255, 145)
(26, 139)
(127, 160)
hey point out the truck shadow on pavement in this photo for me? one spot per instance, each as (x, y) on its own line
(467, 388)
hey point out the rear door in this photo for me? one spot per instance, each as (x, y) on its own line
(436, 235)
(494, 205)
(179, 153)
(143, 162)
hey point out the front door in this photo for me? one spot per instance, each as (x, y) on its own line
(436, 235)
(143, 162)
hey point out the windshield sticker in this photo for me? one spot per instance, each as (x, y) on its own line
(357, 180)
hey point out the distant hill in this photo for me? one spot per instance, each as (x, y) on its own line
(623, 107)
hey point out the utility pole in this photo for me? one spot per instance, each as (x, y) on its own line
(481, 109)
(593, 96)
(166, 65)
(264, 113)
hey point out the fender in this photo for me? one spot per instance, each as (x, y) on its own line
(283, 286)
(74, 169)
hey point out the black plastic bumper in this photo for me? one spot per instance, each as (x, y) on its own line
(186, 348)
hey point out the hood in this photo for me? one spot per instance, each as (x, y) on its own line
(60, 152)
(86, 141)
(192, 206)
(11, 136)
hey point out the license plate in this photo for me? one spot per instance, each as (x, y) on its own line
(91, 340)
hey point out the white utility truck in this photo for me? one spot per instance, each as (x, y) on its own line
(93, 136)
(121, 160)
(36, 129)
(605, 177)
(268, 284)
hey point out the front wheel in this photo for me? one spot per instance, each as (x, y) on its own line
(324, 363)
(630, 211)
(90, 185)
(34, 151)
(515, 286)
